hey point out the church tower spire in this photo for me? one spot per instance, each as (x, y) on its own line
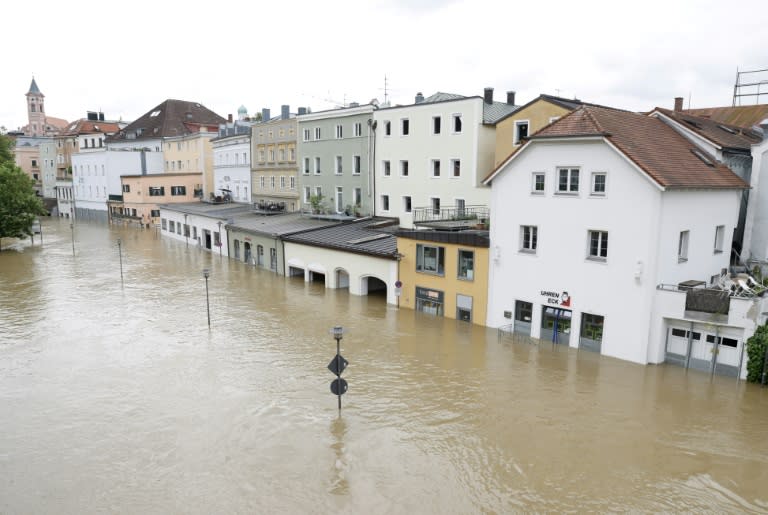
(35, 110)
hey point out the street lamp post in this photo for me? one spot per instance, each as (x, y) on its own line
(72, 226)
(120, 253)
(220, 242)
(207, 274)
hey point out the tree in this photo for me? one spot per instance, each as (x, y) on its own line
(19, 206)
(757, 347)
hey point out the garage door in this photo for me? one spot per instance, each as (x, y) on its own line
(705, 347)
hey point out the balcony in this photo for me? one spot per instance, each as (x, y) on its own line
(454, 218)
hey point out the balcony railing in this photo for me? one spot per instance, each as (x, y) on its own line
(459, 216)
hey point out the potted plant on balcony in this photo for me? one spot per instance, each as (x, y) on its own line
(316, 201)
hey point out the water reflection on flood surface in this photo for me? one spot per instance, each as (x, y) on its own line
(117, 398)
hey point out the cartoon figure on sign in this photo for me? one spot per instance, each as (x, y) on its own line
(565, 299)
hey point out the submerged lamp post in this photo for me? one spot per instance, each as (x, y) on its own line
(186, 229)
(120, 253)
(337, 365)
(207, 274)
(72, 226)
(220, 242)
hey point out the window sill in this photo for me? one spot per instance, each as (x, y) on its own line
(528, 252)
(682, 260)
(538, 193)
(437, 274)
(718, 251)
(567, 193)
(597, 195)
(466, 279)
(597, 259)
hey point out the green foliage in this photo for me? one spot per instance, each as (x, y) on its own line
(316, 201)
(19, 206)
(756, 348)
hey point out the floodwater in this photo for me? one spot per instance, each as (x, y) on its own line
(116, 398)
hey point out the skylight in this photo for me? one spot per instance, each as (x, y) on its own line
(366, 239)
(726, 129)
(154, 113)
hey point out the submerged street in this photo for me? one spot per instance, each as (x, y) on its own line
(117, 398)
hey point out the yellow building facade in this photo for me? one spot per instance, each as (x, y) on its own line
(192, 153)
(445, 273)
(274, 167)
(530, 118)
(142, 194)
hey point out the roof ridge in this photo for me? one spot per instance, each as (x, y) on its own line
(588, 111)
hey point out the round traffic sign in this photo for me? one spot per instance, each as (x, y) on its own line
(398, 284)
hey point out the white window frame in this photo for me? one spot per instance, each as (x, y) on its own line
(602, 245)
(534, 175)
(387, 128)
(403, 123)
(317, 165)
(357, 165)
(516, 136)
(386, 168)
(385, 203)
(593, 184)
(307, 135)
(407, 204)
(339, 131)
(455, 162)
(339, 199)
(719, 239)
(439, 119)
(569, 183)
(307, 194)
(306, 165)
(454, 118)
(405, 169)
(682, 246)
(358, 129)
(434, 162)
(529, 239)
(317, 133)
(338, 165)
(434, 205)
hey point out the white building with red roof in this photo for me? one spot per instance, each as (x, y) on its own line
(611, 232)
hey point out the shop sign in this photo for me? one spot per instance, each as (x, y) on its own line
(427, 294)
(557, 298)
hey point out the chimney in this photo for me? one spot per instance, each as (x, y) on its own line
(229, 117)
(488, 95)
(285, 112)
(101, 116)
(511, 98)
(92, 116)
(265, 115)
(302, 110)
(419, 98)
(678, 104)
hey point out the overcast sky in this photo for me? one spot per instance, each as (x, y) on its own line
(124, 58)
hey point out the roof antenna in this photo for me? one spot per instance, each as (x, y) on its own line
(689, 100)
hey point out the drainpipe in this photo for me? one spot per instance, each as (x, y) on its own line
(690, 343)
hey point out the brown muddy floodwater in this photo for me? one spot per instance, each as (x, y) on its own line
(118, 399)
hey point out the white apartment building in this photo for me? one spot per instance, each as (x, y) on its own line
(606, 227)
(431, 156)
(232, 162)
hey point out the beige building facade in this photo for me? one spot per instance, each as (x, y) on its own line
(274, 173)
(143, 193)
(192, 153)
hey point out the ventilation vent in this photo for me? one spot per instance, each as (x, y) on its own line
(692, 123)
(366, 239)
(701, 155)
(727, 129)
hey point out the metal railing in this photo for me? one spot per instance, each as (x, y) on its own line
(481, 214)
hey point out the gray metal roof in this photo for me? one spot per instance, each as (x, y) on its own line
(494, 112)
(222, 211)
(278, 225)
(359, 237)
(442, 97)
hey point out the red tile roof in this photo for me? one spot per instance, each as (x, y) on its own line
(666, 156)
(725, 135)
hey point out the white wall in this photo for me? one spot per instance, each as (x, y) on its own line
(200, 222)
(328, 261)
(473, 146)
(230, 172)
(756, 226)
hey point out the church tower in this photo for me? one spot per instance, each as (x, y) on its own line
(35, 110)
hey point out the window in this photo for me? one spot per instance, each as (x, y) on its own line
(178, 190)
(386, 168)
(164, 224)
(317, 166)
(385, 202)
(568, 180)
(186, 230)
(435, 168)
(466, 265)
(358, 129)
(404, 168)
(307, 134)
(292, 182)
(537, 185)
(272, 155)
(521, 131)
(339, 199)
(156, 191)
(306, 165)
(719, 234)
(357, 198)
(405, 127)
(598, 245)
(356, 165)
(262, 182)
(598, 183)
(292, 154)
(281, 153)
(435, 201)
(457, 123)
(319, 191)
(387, 128)
(456, 167)
(261, 155)
(307, 194)
(126, 188)
(317, 133)
(339, 168)
(407, 204)
(272, 182)
(682, 247)
(430, 260)
(172, 226)
(282, 182)
(436, 120)
(529, 238)
(339, 132)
